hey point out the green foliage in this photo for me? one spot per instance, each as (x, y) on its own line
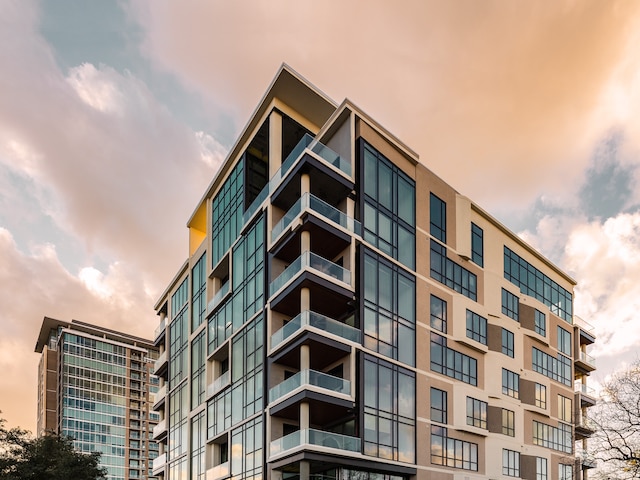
(49, 457)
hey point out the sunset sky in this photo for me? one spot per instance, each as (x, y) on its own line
(114, 117)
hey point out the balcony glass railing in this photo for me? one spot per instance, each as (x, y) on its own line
(312, 261)
(583, 324)
(160, 394)
(312, 319)
(314, 437)
(219, 383)
(220, 294)
(580, 387)
(160, 328)
(162, 359)
(159, 461)
(310, 378)
(159, 428)
(586, 358)
(309, 201)
(219, 471)
(307, 142)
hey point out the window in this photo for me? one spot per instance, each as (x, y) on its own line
(178, 335)
(556, 368)
(438, 218)
(438, 314)
(476, 413)
(507, 343)
(556, 438)
(534, 283)
(477, 245)
(510, 383)
(389, 309)
(198, 378)
(540, 326)
(476, 327)
(389, 410)
(510, 463)
(198, 289)
(565, 472)
(389, 212)
(438, 405)
(541, 468)
(452, 452)
(541, 396)
(227, 208)
(452, 363)
(508, 422)
(564, 408)
(564, 341)
(449, 273)
(510, 305)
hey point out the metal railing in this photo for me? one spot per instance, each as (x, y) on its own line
(312, 319)
(315, 262)
(314, 437)
(310, 378)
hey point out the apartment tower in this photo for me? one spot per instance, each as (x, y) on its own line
(343, 313)
(94, 384)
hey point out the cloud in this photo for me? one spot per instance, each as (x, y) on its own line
(517, 94)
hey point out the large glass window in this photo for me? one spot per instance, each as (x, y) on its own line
(508, 422)
(540, 326)
(178, 421)
(227, 209)
(510, 383)
(541, 396)
(247, 351)
(476, 413)
(389, 215)
(477, 245)
(534, 283)
(564, 408)
(198, 377)
(438, 218)
(178, 334)
(476, 327)
(564, 341)
(449, 273)
(389, 410)
(541, 468)
(507, 343)
(247, 450)
(452, 363)
(389, 309)
(452, 452)
(557, 368)
(199, 292)
(510, 305)
(556, 438)
(438, 405)
(198, 439)
(438, 314)
(565, 472)
(510, 463)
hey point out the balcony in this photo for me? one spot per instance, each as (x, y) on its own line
(218, 472)
(159, 464)
(161, 364)
(588, 396)
(160, 431)
(310, 378)
(586, 460)
(159, 398)
(160, 329)
(308, 319)
(218, 297)
(314, 440)
(586, 331)
(316, 150)
(583, 427)
(585, 362)
(219, 384)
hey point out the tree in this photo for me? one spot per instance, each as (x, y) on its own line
(616, 419)
(50, 457)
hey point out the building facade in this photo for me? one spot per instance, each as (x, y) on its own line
(345, 314)
(96, 385)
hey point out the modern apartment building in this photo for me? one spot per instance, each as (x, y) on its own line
(94, 384)
(343, 313)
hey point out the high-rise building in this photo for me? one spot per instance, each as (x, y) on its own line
(96, 385)
(343, 313)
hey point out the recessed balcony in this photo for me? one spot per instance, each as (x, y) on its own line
(161, 364)
(218, 297)
(583, 427)
(160, 331)
(587, 395)
(585, 362)
(310, 379)
(160, 431)
(586, 331)
(218, 472)
(315, 321)
(159, 398)
(159, 463)
(219, 384)
(312, 439)
(330, 284)
(333, 172)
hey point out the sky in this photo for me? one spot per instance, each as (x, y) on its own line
(115, 115)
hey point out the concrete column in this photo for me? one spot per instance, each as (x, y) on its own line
(305, 470)
(305, 241)
(275, 142)
(305, 299)
(305, 184)
(305, 357)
